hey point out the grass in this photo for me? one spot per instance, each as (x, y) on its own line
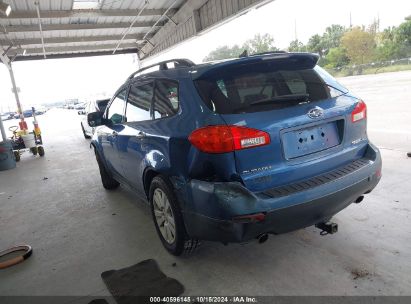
(371, 70)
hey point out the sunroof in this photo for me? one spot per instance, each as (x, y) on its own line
(86, 4)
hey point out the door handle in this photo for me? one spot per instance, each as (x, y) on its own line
(141, 134)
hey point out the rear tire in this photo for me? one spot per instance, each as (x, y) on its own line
(108, 181)
(34, 151)
(168, 218)
(40, 150)
(17, 156)
(84, 132)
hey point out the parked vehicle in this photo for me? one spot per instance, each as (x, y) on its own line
(80, 106)
(28, 113)
(235, 150)
(92, 106)
(40, 110)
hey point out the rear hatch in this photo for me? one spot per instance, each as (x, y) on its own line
(305, 112)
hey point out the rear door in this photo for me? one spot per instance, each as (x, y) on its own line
(109, 133)
(304, 116)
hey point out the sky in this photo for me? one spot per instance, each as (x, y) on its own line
(46, 81)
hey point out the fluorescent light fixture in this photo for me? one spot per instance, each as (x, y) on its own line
(5, 8)
(86, 4)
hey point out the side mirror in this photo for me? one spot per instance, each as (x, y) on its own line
(95, 119)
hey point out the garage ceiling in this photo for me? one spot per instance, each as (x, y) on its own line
(69, 28)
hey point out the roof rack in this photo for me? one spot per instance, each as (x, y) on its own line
(163, 66)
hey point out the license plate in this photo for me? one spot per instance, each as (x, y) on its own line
(310, 140)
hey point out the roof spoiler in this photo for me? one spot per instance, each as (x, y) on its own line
(278, 60)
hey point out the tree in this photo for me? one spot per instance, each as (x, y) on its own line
(337, 57)
(359, 45)
(315, 44)
(402, 38)
(386, 47)
(260, 44)
(223, 52)
(297, 46)
(332, 36)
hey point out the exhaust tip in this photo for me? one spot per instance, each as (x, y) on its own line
(359, 199)
(262, 238)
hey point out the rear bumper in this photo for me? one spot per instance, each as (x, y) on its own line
(209, 216)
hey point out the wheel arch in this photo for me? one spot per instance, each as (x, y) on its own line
(149, 174)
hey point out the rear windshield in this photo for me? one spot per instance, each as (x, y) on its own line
(261, 87)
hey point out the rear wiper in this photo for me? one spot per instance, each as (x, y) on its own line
(284, 98)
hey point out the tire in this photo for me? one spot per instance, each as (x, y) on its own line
(17, 156)
(162, 197)
(34, 151)
(40, 150)
(84, 132)
(108, 181)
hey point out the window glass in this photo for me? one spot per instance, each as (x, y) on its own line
(116, 110)
(102, 104)
(166, 101)
(139, 103)
(262, 87)
(88, 108)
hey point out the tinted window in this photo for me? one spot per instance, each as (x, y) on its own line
(139, 103)
(116, 110)
(102, 104)
(260, 87)
(166, 101)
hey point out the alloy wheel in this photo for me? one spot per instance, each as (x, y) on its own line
(164, 216)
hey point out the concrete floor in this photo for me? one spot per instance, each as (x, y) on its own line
(78, 230)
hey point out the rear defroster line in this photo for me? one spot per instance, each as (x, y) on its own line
(18, 259)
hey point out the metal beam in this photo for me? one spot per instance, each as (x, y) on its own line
(131, 26)
(76, 55)
(69, 49)
(75, 26)
(57, 40)
(196, 17)
(40, 28)
(85, 13)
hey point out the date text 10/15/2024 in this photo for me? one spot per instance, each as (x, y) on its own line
(204, 299)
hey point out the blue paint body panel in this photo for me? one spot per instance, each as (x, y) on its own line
(212, 189)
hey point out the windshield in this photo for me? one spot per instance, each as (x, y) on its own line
(259, 87)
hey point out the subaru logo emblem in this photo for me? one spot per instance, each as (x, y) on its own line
(316, 112)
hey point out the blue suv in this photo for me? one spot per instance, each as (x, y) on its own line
(235, 150)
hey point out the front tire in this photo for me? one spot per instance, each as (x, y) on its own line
(168, 218)
(40, 150)
(108, 181)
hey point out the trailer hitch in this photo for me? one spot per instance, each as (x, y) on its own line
(327, 228)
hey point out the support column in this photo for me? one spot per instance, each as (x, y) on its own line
(6, 61)
(23, 124)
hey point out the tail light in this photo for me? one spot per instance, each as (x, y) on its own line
(222, 139)
(360, 111)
